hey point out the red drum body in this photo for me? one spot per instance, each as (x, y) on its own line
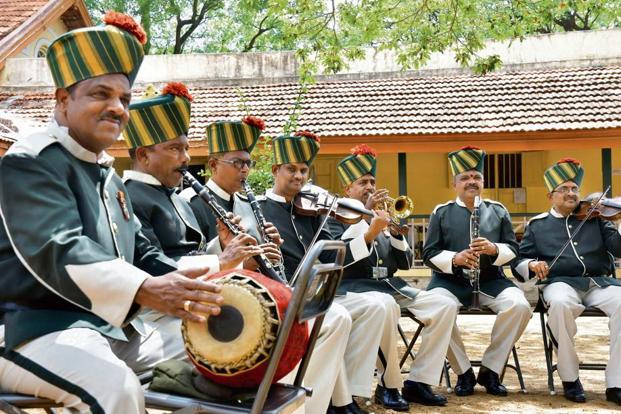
(233, 348)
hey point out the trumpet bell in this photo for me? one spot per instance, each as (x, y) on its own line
(401, 207)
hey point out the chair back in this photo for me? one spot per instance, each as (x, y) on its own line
(313, 292)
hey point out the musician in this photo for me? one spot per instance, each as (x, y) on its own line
(372, 316)
(230, 144)
(375, 273)
(451, 255)
(580, 277)
(76, 267)
(159, 155)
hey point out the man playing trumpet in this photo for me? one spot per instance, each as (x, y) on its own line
(375, 273)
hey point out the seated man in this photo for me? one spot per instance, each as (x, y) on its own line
(159, 155)
(452, 255)
(372, 316)
(76, 267)
(580, 277)
(375, 273)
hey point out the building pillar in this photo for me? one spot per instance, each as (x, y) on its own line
(403, 173)
(607, 170)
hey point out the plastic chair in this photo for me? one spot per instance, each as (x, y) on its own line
(313, 293)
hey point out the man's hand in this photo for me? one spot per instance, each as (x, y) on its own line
(466, 258)
(541, 269)
(272, 232)
(224, 234)
(237, 250)
(376, 198)
(379, 222)
(182, 294)
(270, 250)
(481, 245)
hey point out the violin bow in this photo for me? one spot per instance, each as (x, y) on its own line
(571, 237)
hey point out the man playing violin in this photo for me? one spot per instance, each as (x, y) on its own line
(583, 274)
(370, 317)
(451, 254)
(375, 273)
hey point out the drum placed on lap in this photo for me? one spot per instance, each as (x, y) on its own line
(233, 348)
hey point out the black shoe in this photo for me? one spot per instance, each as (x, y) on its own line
(490, 380)
(351, 408)
(574, 392)
(390, 398)
(613, 394)
(465, 383)
(421, 393)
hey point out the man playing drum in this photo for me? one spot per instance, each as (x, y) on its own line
(375, 273)
(581, 275)
(372, 316)
(76, 267)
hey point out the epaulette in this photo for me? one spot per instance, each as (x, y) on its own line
(495, 202)
(188, 194)
(448, 203)
(539, 216)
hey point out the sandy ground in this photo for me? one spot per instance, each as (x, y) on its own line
(592, 344)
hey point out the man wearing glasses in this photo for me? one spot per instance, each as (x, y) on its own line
(580, 277)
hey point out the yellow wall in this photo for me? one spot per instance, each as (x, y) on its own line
(429, 181)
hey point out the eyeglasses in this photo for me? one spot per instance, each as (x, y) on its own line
(239, 164)
(566, 190)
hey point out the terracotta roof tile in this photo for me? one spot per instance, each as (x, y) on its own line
(561, 99)
(16, 12)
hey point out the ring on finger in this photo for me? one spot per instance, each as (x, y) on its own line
(186, 305)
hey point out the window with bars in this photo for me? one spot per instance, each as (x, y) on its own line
(503, 170)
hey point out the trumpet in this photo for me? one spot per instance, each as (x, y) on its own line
(399, 208)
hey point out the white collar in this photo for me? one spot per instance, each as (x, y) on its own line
(459, 202)
(555, 213)
(272, 195)
(211, 184)
(140, 176)
(61, 134)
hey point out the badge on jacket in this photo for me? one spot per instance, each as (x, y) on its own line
(120, 196)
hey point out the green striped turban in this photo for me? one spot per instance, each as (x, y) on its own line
(360, 162)
(566, 169)
(467, 158)
(94, 51)
(303, 146)
(159, 118)
(228, 136)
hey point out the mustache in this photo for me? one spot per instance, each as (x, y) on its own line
(110, 116)
(472, 186)
(182, 168)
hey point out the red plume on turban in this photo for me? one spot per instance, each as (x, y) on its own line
(307, 134)
(254, 121)
(569, 160)
(127, 23)
(177, 89)
(363, 149)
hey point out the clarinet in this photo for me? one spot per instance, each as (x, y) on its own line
(265, 266)
(476, 272)
(258, 215)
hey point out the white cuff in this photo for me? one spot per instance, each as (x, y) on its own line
(358, 247)
(200, 260)
(399, 244)
(214, 246)
(444, 261)
(505, 254)
(523, 270)
(110, 286)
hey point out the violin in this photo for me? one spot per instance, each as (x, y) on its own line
(315, 201)
(605, 209)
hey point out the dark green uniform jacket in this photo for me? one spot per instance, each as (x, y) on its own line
(298, 231)
(449, 233)
(68, 240)
(166, 218)
(586, 262)
(387, 251)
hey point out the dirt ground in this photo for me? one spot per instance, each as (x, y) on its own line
(592, 345)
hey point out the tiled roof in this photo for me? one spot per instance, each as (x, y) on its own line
(561, 99)
(16, 12)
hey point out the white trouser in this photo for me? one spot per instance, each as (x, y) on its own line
(87, 372)
(368, 314)
(512, 315)
(325, 362)
(565, 304)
